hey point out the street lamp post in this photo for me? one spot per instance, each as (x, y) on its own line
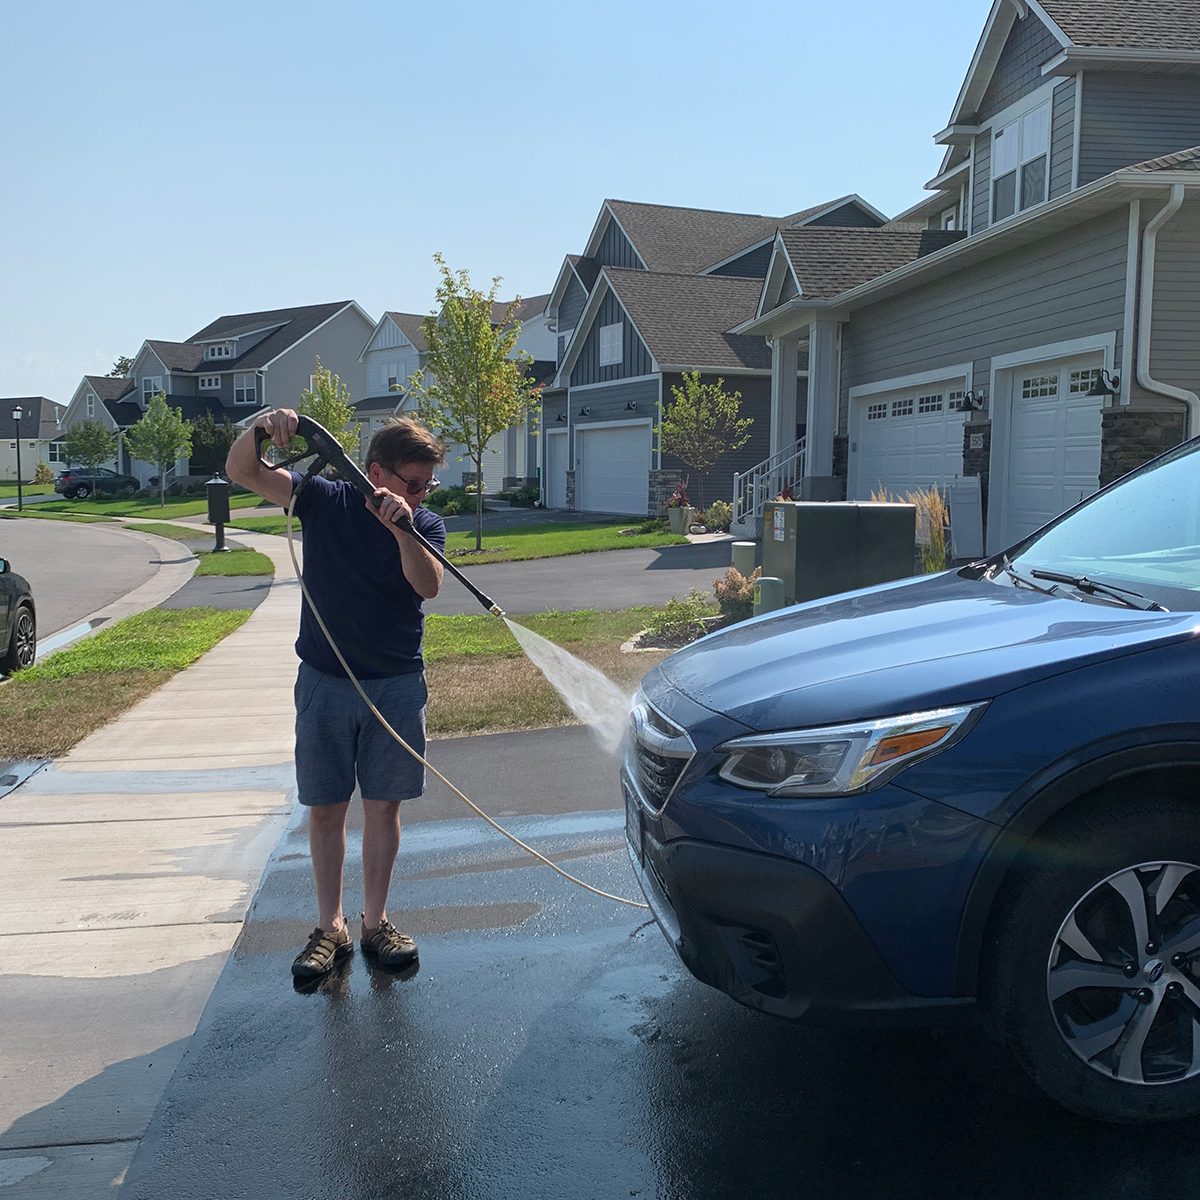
(17, 413)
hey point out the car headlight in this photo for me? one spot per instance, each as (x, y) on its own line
(839, 760)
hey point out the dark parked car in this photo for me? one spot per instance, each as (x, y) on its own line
(974, 790)
(18, 621)
(79, 485)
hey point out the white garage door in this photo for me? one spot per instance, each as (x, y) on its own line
(554, 481)
(1054, 444)
(906, 440)
(613, 469)
(493, 464)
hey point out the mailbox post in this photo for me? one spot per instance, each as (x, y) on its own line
(218, 508)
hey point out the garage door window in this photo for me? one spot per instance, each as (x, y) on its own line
(1081, 381)
(876, 412)
(902, 408)
(1036, 386)
(929, 404)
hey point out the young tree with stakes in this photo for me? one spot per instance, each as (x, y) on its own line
(160, 437)
(327, 401)
(89, 444)
(475, 383)
(701, 422)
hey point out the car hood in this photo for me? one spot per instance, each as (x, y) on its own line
(904, 647)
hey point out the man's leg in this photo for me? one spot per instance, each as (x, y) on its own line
(381, 842)
(327, 844)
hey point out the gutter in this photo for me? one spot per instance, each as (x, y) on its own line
(1145, 315)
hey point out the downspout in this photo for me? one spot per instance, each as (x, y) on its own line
(1147, 381)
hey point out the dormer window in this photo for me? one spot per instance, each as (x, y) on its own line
(210, 383)
(1021, 163)
(219, 350)
(949, 219)
(611, 337)
(151, 386)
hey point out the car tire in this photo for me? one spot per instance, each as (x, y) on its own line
(130, 489)
(22, 644)
(1095, 961)
(82, 492)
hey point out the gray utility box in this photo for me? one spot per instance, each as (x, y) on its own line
(820, 549)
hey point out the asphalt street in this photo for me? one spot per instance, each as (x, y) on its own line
(550, 1046)
(74, 569)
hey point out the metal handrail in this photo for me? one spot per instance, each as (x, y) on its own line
(753, 488)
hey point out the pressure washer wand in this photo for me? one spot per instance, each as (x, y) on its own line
(327, 448)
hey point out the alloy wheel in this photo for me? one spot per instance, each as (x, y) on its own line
(1123, 979)
(24, 637)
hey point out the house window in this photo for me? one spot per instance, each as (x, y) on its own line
(91, 406)
(244, 389)
(151, 386)
(219, 350)
(392, 374)
(949, 219)
(1021, 163)
(610, 343)
(1081, 381)
(1036, 386)
(210, 383)
(54, 452)
(876, 412)
(902, 408)
(929, 404)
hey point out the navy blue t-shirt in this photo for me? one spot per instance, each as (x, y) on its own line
(352, 570)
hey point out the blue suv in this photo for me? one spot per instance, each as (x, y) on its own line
(973, 790)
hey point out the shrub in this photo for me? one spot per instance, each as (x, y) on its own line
(522, 497)
(735, 593)
(450, 501)
(681, 619)
(719, 515)
(43, 474)
(933, 520)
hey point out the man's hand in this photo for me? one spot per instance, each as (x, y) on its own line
(281, 424)
(392, 510)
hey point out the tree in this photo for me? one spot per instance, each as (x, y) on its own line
(701, 423)
(122, 365)
(160, 437)
(328, 403)
(211, 440)
(89, 444)
(476, 384)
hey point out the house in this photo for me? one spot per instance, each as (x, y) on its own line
(40, 432)
(1046, 345)
(655, 293)
(233, 368)
(397, 348)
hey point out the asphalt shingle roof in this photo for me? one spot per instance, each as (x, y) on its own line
(109, 387)
(124, 412)
(39, 417)
(829, 261)
(292, 324)
(1144, 25)
(586, 268)
(686, 240)
(411, 325)
(177, 356)
(683, 318)
(1183, 160)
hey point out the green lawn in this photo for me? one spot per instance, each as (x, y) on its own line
(234, 562)
(181, 533)
(487, 636)
(8, 491)
(11, 514)
(148, 507)
(529, 541)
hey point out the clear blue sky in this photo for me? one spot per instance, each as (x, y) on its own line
(165, 163)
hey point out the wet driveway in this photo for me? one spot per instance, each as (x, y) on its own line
(551, 1046)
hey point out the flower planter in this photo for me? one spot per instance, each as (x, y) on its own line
(680, 518)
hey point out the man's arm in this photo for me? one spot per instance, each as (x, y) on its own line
(420, 568)
(242, 464)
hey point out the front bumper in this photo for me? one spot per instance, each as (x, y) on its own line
(772, 933)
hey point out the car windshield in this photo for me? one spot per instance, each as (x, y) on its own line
(1142, 536)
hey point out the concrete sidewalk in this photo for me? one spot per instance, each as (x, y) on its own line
(129, 865)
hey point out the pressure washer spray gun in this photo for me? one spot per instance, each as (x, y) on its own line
(329, 452)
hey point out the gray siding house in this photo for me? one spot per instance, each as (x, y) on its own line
(233, 368)
(654, 295)
(1047, 344)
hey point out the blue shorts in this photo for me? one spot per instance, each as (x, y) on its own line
(338, 737)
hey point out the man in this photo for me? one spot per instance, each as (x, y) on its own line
(367, 578)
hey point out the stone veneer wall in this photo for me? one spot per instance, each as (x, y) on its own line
(662, 484)
(976, 458)
(841, 459)
(1133, 436)
(570, 499)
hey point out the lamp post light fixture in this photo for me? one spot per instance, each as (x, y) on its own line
(1105, 384)
(17, 413)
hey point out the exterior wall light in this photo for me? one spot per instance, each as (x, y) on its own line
(1106, 384)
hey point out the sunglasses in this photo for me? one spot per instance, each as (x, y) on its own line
(415, 487)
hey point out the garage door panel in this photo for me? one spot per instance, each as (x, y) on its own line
(613, 469)
(555, 482)
(916, 443)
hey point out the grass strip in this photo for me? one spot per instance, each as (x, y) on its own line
(106, 675)
(234, 562)
(8, 491)
(9, 514)
(180, 533)
(485, 636)
(148, 506)
(277, 525)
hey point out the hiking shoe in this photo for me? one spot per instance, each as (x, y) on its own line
(388, 946)
(323, 950)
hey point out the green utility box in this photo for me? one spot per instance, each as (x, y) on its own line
(820, 549)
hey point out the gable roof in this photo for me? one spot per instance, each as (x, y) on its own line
(290, 325)
(828, 261)
(109, 387)
(1145, 25)
(124, 412)
(686, 240)
(1182, 160)
(177, 356)
(683, 318)
(411, 325)
(39, 420)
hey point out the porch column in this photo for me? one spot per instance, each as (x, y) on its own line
(822, 397)
(785, 359)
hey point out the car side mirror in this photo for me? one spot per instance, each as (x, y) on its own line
(3, 565)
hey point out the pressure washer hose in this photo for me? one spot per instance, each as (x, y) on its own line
(512, 837)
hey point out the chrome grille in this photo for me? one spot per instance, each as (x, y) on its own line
(659, 750)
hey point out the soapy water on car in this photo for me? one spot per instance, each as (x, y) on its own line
(587, 692)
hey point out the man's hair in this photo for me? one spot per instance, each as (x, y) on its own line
(403, 440)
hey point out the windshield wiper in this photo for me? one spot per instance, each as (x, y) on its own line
(1092, 588)
(1018, 579)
